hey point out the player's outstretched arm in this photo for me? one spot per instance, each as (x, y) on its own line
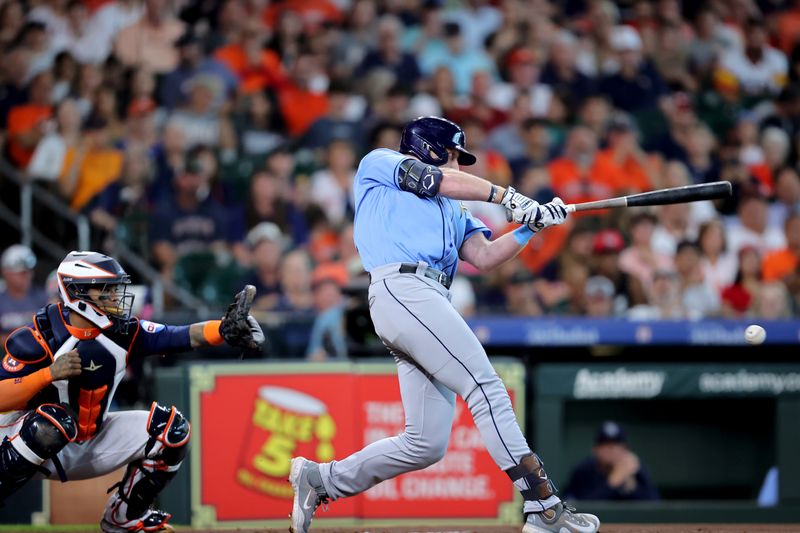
(460, 185)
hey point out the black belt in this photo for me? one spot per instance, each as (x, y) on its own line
(431, 273)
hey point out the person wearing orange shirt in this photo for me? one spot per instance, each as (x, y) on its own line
(28, 123)
(574, 175)
(256, 67)
(301, 101)
(780, 264)
(623, 165)
(91, 167)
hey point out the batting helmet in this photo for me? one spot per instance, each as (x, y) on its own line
(110, 304)
(428, 138)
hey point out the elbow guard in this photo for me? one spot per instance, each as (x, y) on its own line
(418, 178)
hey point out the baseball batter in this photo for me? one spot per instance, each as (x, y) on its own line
(58, 379)
(411, 230)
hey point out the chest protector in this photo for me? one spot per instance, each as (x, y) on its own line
(104, 359)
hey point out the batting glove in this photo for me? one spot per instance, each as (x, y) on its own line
(552, 213)
(519, 208)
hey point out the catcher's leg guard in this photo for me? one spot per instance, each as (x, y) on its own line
(128, 508)
(42, 435)
(530, 474)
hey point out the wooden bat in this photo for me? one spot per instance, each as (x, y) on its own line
(673, 195)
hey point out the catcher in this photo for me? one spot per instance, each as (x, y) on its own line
(58, 379)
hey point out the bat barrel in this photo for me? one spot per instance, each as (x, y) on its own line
(677, 195)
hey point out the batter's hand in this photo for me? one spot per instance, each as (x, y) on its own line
(552, 213)
(519, 208)
(66, 366)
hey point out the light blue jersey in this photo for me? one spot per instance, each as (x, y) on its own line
(395, 226)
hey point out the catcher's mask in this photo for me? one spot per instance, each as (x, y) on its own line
(94, 286)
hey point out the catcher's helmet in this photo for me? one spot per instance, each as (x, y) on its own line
(428, 138)
(81, 271)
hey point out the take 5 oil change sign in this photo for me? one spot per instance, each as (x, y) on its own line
(250, 420)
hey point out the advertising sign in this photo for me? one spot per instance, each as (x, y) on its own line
(250, 420)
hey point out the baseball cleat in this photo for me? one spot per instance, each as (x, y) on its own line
(561, 519)
(309, 493)
(152, 521)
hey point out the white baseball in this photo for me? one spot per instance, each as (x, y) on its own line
(754, 334)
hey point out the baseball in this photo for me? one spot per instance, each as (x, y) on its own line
(754, 334)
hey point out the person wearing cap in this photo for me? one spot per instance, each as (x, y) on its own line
(637, 86)
(623, 164)
(267, 243)
(613, 472)
(522, 72)
(628, 290)
(174, 90)
(327, 339)
(598, 297)
(20, 299)
(189, 221)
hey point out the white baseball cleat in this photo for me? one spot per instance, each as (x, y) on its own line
(561, 519)
(309, 493)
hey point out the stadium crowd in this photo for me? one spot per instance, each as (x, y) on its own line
(219, 139)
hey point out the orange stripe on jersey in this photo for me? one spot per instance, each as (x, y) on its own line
(15, 392)
(89, 409)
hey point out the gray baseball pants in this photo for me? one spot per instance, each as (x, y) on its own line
(437, 357)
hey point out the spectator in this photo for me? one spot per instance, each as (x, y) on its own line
(623, 165)
(599, 297)
(108, 21)
(787, 196)
(12, 17)
(523, 77)
(637, 87)
(267, 244)
(561, 74)
(784, 264)
(750, 226)
(14, 75)
(149, 43)
(717, 262)
(639, 259)
(759, 69)
(507, 139)
(295, 279)
(699, 298)
(574, 175)
(737, 298)
(190, 222)
(174, 89)
(520, 295)
(537, 139)
(388, 54)
(302, 98)
(477, 105)
(255, 67)
(34, 39)
(90, 166)
(339, 122)
(47, 162)
(595, 114)
(613, 472)
(462, 62)
(773, 302)
(28, 123)
(331, 187)
(478, 19)
(20, 299)
(663, 299)
(672, 228)
(259, 125)
(200, 120)
(628, 290)
(328, 339)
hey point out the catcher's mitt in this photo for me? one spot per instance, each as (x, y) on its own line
(238, 328)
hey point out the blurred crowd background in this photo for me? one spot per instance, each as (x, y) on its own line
(218, 139)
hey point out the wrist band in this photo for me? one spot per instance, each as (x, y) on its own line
(211, 333)
(492, 194)
(523, 234)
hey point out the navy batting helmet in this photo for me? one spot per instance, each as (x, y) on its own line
(428, 138)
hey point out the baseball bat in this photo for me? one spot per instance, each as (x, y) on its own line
(672, 195)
